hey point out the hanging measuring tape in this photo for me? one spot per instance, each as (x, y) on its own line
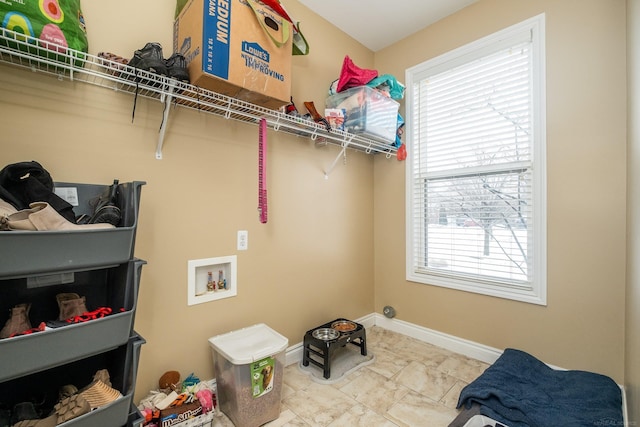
(262, 171)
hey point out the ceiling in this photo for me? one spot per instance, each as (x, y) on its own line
(380, 23)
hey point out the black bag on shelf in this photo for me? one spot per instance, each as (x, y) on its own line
(27, 182)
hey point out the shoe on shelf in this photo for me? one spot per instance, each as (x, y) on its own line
(103, 375)
(71, 407)
(50, 421)
(25, 415)
(113, 63)
(177, 67)
(99, 394)
(42, 217)
(149, 58)
(67, 391)
(6, 209)
(70, 305)
(18, 321)
(23, 411)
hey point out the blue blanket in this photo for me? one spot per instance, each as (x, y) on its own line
(521, 391)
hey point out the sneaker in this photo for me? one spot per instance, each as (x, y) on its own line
(177, 67)
(149, 58)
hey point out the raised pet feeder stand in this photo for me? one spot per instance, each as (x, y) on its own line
(321, 342)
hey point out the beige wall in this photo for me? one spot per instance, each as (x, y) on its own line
(312, 262)
(632, 338)
(334, 247)
(582, 326)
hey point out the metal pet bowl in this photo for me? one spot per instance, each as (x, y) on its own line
(344, 326)
(325, 334)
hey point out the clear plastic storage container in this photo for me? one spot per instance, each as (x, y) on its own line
(249, 366)
(368, 112)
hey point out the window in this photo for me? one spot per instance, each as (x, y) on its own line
(476, 185)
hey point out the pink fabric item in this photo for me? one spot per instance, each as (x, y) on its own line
(206, 400)
(352, 75)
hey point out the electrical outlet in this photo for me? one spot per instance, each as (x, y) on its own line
(243, 240)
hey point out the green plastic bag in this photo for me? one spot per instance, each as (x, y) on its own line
(58, 23)
(180, 4)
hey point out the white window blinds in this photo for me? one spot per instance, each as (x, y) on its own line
(472, 182)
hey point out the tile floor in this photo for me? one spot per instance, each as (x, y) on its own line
(410, 383)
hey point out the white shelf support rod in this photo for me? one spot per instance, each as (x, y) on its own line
(342, 153)
(227, 114)
(165, 118)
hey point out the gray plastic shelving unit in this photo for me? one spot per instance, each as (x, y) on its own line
(136, 419)
(114, 287)
(98, 264)
(30, 253)
(117, 413)
(122, 364)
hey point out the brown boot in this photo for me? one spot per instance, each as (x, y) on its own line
(70, 305)
(18, 321)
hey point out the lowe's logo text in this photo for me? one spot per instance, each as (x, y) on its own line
(256, 50)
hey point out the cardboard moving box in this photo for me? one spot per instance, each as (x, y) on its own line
(229, 51)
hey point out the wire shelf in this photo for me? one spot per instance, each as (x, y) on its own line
(68, 64)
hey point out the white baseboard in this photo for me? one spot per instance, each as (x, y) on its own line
(294, 354)
(625, 413)
(457, 345)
